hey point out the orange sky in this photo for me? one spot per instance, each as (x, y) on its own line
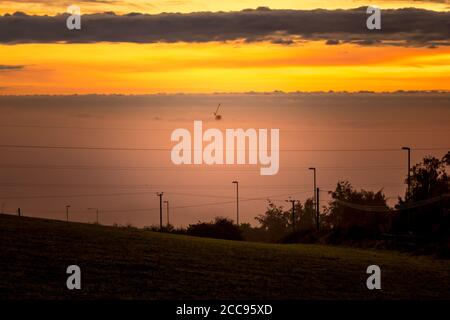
(157, 6)
(130, 68)
(216, 67)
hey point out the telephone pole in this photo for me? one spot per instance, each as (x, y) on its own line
(317, 210)
(409, 171)
(293, 213)
(96, 213)
(160, 195)
(237, 201)
(315, 187)
(167, 208)
(408, 194)
(67, 213)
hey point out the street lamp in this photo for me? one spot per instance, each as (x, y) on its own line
(96, 212)
(160, 195)
(167, 207)
(237, 201)
(67, 212)
(408, 195)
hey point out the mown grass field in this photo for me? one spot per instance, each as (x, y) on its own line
(121, 263)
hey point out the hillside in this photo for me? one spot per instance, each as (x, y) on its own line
(135, 264)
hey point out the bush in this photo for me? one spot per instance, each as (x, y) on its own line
(221, 228)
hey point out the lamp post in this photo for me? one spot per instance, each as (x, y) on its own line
(160, 195)
(237, 201)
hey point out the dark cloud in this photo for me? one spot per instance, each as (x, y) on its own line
(332, 42)
(4, 67)
(409, 27)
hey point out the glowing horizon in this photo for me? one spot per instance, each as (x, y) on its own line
(40, 7)
(220, 67)
(306, 65)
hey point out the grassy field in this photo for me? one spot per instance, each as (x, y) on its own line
(136, 264)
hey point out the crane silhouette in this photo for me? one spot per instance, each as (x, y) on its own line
(216, 114)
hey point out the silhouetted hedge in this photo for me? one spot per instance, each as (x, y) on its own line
(221, 228)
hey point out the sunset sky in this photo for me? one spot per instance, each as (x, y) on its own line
(237, 53)
(123, 184)
(34, 63)
(157, 6)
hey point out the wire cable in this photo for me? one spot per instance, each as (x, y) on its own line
(65, 147)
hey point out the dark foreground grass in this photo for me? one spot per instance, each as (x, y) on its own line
(135, 264)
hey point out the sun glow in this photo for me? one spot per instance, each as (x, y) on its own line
(219, 67)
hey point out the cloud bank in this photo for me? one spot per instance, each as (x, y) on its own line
(4, 67)
(406, 27)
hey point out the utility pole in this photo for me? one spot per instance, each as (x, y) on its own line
(67, 212)
(315, 187)
(293, 213)
(317, 210)
(237, 201)
(408, 195)
(167, 208)
(18, 212)
(96, 212)
(160, 195)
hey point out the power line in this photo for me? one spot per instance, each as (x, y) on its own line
(385, 209)
(76, 195)
(171, 129)
(142, 186)
(16, 146)
(118, 194)
(215, 203)
(184, 168)
(201, 204)
(356, 206)
(82, 128)
(175, 187)
(65, 147)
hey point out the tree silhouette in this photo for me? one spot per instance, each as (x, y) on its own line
(429, 181)
(338, 216)
(429, 178)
